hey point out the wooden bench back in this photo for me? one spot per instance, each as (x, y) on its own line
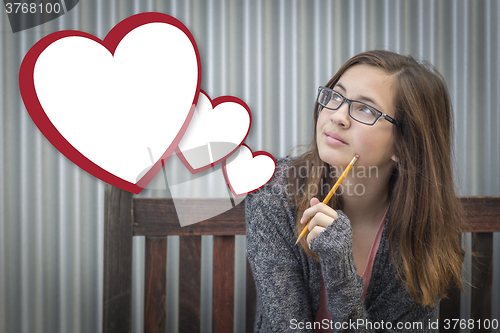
(156, 219)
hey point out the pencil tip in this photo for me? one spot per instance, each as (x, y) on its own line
(298, 240)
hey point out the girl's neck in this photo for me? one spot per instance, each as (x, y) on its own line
(366, 199)
(366, 209)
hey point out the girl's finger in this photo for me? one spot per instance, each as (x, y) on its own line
(320, 207)
(314, 201)
(320, 220)
(314, 232)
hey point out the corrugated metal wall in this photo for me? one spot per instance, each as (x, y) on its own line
(273, 55)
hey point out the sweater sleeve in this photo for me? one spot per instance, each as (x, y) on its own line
(282, 297)
(389, 313)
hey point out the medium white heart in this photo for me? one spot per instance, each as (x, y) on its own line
(115, 103)
(246, 171)
(217, 129)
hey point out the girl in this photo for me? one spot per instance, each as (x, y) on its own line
(382, 253)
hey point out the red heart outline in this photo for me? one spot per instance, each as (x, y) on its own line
(254, 154)
(215, 102)
(110, 42)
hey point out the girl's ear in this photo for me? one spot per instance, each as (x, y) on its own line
(395, 158)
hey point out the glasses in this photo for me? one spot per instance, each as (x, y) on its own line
(359, 111)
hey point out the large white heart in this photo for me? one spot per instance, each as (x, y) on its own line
(246, 171)
(217, 129)
(107, 104)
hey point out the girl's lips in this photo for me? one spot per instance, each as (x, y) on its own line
(335, 140)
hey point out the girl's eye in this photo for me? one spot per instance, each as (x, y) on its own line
(367, 110)
(337, 98)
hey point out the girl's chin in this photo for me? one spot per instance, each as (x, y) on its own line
(336, 158)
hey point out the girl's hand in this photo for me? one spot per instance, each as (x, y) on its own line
(322, 216)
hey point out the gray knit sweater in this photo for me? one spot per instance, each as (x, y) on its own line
(288, 282)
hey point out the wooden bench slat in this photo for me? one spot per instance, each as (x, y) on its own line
(117, 289)
(189, 283)
(482, 279)
(483, 213)
(155, 285)
(223, 284)
(251, 300)
(158, 217)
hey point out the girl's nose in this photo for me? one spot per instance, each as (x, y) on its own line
(341, 116)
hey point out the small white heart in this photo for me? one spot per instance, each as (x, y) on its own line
(246, 171)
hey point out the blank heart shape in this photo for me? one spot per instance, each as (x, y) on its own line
(106, 104)
(246, 171)
(217, 129)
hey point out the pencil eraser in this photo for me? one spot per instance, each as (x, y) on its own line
(357, 156)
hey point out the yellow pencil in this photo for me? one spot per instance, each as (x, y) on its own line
(330, 194)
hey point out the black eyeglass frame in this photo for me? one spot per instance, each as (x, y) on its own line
(380, 114)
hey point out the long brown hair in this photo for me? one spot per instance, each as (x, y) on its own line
(426, 218)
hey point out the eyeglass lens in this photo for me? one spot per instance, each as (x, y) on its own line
(359, 111)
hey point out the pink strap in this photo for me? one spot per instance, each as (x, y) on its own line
(367, 274)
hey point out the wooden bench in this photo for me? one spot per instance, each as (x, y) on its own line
(156, 219)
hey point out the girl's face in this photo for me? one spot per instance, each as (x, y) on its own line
(339, 137)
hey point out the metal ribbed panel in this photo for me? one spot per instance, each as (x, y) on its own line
(3, 216)
(272, 54)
